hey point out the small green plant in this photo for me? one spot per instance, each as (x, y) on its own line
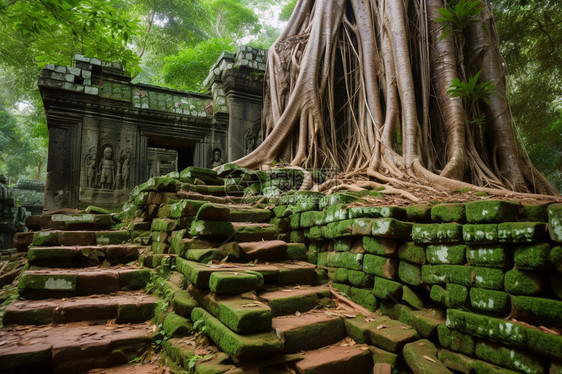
(472, 90)
(458, 15)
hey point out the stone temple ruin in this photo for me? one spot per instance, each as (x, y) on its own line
(107, 135)
(239, 271)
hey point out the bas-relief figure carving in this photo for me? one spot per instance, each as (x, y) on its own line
(217, 159)
(106, 173)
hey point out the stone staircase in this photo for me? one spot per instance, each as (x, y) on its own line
(81, 306)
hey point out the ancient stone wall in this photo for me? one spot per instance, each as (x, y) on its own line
(12, 216)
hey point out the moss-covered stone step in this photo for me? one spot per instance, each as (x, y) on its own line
(336, 359)
(242, 314)
(424, 321)
(290, 273)
(253, 232)
(271, 250)
(522, 232)
(212, 230)
(249, 215)
(398, 213)
(80, 221)
(380, 331)
(82, 256)
(79, 238)
(506, 332)
(285, 301)
(308, 331)
(41, 284)
(124, 307)
(421, 357)
(239, 347)
(465, 364)
(194, 195)
(451, 212)
(234, 283)
(71, 348)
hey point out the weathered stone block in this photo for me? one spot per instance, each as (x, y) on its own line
(437, 233)
(233, 283)
(380, 246)
(387, 289)
(213, 212)
(488, 256)
(464, 275)
(521, 232)
(365, 298)
(416, 354)
(446, 254)
(532, 257)
(490, 301)
(411, 252)
(377, 212)
(380, 266)
(455, 340)
(488, 211)
(538, 311)
(519, 282)
(211, 229)
(514, 359)
(555, 222)
(391, 228)
(409, 273)
(480, 233)
(419, 213)
(454, 212)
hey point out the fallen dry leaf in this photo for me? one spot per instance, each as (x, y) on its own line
(380, 327)
(428, 358)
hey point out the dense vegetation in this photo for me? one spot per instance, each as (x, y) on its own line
(159, 41)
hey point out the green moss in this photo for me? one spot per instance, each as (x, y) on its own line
(343, 245)
(242, 315)
(456, 361)
(280, 211)
(411, 252)
(532, 257)
(412, 298)
(135, 313)
(555, 258)
(45, 239)
(232, 283)
(380, 332)
(415, 356)
(213, 212)
(337, 212)
(359, 279)
(134, 280)
(448, 213)
(488, 256)
(384, 357)
(510, 358)
(57, 285)
(490, 301)
(555, 222)
(315, 233)
(387, 289)
(520, 282)
(185, 208)
(346, 260)
(455, 340)
(495, 329)
(419, 213)
(424, 321)
(183, 303)
(544, 343)
(211, 229)
(343, 288)
(365, 298)
(391, 228)
(380, 266)
(283, 306)
(380, 246)
(239, 347)
(160, 224)
(377, 212)
(296, 251)
(446, 254)
(488, 211)
(338, 275)
(463, 275)
(521, 232)
(537, 311)
(437, 233)
(312, 218)
(337, 198)
(536, 212)
(481, 233)
(203, 255)
(409, 273)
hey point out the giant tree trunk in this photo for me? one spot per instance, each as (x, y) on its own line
(361, 86)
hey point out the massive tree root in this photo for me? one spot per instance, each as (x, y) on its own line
(362, 86)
